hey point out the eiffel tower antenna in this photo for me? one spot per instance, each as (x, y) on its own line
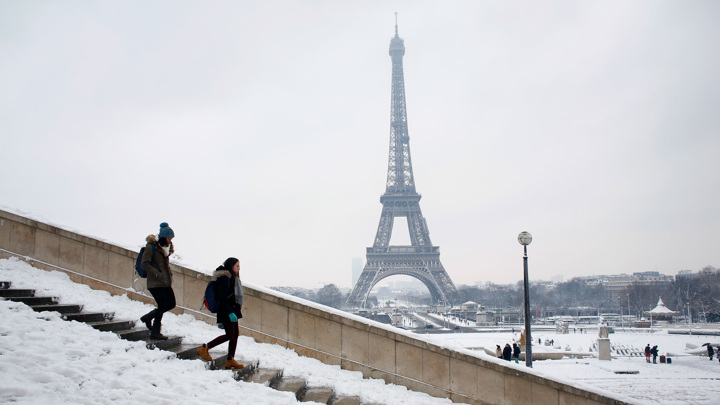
(420, 260)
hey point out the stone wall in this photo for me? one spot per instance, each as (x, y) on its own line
(332, 337)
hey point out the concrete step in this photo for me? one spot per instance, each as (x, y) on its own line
(89, 316)
(247, 364)
(341, 400)
(323, 395)
(34, 301)
(112, 326)
(163, 344)
(218, 361)
(264, 376)
(61, 308)
(291, 384)
(134, 334)
(143, 334)
(185, 351)
(16, 292)
(251, 367)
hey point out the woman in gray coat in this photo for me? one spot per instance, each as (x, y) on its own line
(156, 262)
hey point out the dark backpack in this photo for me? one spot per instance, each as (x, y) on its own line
(210, 301)
(138, 262)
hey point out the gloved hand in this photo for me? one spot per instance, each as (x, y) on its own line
(233, 317)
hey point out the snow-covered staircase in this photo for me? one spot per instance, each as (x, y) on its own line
(126, 329)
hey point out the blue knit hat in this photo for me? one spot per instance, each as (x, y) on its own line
(166, 231)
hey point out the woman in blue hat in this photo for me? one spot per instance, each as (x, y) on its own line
(156, 262)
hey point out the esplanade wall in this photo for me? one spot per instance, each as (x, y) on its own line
(331, 336)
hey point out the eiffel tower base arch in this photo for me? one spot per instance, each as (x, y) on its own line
(428, 270)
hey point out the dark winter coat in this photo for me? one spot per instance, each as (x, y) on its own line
(516, 351)
(156, 264)
(507, 353)
(225, 293)
(654, 351)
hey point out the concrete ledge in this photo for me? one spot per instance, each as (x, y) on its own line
(376, 350)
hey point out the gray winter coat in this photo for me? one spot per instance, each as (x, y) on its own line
(157, 265)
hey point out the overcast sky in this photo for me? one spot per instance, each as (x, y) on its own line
(260, 130)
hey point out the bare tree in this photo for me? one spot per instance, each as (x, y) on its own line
(330, 295)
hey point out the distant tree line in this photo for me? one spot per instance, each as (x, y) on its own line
(559, 299)
(699, 293)
(576, 297)
(329, 295)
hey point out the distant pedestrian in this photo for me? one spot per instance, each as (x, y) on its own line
(228, 290)
(507, 352)
(498, 351)
(516, 353)
(711, 352)
(647, 353)
(654, 352)
(156, 262)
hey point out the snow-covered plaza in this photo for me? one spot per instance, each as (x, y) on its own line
(688, 379)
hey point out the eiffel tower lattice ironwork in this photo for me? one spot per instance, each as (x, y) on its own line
(421, 260)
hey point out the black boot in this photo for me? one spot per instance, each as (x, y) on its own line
(155, 331)
(147, 318)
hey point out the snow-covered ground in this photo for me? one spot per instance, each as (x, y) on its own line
(46, 360)
(689, 379)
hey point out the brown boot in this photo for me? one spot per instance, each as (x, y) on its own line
(231, 363)
(203, 352)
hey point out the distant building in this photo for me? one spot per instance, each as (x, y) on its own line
(500, 315)
(547, 285)
(469, 306)
(615, 285)
(469, 310)
(647, 274)
(484, 318)
(686, 274)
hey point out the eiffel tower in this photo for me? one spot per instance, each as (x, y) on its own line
(421, 260)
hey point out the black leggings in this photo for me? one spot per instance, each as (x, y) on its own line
(165, 299)
(231, 334)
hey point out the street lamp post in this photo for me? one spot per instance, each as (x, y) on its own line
(525, 238)
(628, 297)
